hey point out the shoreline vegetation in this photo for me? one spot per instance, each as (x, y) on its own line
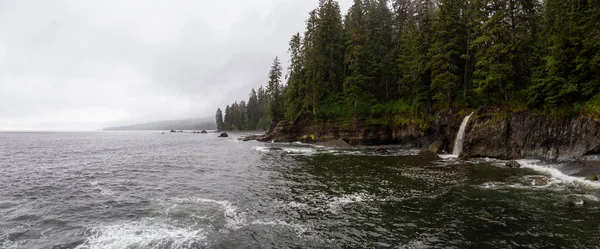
(407, 71)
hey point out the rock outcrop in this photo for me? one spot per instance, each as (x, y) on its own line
(513, 164)
(338, 143)
(521, 135)
(489, 133)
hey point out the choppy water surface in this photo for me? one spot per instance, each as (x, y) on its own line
(153, 190)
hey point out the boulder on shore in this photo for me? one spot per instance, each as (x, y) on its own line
(224, 134)
(428, 154)
(339, 143)
(513, 164)
(592, 178)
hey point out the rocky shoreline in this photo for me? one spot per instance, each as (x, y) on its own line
(489, 133)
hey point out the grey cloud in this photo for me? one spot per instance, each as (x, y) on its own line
(74, 64)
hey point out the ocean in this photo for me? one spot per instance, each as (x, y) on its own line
(182, 190)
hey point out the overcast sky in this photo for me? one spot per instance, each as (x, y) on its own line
(84, 64)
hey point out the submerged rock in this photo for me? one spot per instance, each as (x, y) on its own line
(339, 143)
(224, 134)
(382, 150)
(592, 178)
(274, 149)
(513, 164)
(427, 154)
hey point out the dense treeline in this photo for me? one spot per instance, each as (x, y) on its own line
(399, 58)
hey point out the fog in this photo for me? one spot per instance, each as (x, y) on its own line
(85, 65)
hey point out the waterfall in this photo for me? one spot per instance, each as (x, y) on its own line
(458, 142)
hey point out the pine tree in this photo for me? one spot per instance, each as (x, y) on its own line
(355, 83)
(378, 49)
(274, 91)
(447, 52)
(219, 119)
(294, 87)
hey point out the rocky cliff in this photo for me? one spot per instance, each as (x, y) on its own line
(490, 133)
(527, 135)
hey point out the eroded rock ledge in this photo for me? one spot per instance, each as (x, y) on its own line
(490, 133)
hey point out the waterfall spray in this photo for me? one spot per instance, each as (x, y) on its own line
(458, 142)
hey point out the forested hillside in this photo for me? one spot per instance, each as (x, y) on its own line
(402, 60)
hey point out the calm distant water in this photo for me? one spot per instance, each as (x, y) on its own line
(149, 190)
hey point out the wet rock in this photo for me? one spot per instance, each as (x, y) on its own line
(274, 149)
(592, 178)
(224, 134)
(172, 131)
(436, 146)
(203, 132)
(382, 150)
(540, 182)
(339, 143)
(525, 134)
(427, 154)
(308, 139)
(487, 215)
(250, 138)
(513, 164)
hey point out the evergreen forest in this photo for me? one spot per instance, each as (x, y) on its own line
(400, 61)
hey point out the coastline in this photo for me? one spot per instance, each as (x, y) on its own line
(489, 133)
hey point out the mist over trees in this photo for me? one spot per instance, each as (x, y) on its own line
(389, 60)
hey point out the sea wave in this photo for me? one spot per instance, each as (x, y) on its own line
(147, 233)
(558, 176)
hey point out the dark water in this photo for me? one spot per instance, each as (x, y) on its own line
(149, 190)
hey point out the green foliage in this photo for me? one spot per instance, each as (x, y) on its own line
(398, 66)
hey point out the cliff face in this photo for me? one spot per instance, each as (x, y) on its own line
(489, 134)
(524, 135)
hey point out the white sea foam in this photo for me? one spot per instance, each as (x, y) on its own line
(234, 219)
(448, 156)
(290, 150)
(147, 233)
(7, 244)
(557, 176)
(337, 203)
(299, 229)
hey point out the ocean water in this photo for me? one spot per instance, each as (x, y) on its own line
(154, 190)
